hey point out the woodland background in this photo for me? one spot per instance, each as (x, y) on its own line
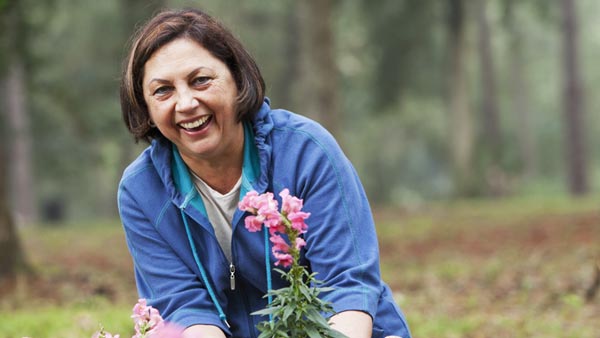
(467, 121)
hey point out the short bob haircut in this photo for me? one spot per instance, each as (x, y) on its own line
(198, 26)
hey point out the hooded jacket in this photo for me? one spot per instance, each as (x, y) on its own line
(182, 271)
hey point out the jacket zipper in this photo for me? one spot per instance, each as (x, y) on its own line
(232, 276)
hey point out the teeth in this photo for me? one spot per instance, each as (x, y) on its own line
(195, 124)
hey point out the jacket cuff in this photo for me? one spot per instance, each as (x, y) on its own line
(353, 299)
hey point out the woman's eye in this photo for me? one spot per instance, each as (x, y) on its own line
(161, 90)
(201, 80)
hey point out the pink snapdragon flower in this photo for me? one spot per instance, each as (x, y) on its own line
(289, 203)
(283, 259)
(264, 209)
(297, 218)
(249, 203)
(148, 324)
(254, 223)
(146, 318)
(300, 243)
(290, 221)
(279, 244)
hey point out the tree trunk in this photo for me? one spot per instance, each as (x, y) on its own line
(20, 156)
(318, 69)
(519, 92)
(492, 141)
(576, 155)
(11, 254)
(20, 169)
(460, 118)
(12, 89)
(288, 78)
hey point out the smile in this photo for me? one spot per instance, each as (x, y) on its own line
(197, 124)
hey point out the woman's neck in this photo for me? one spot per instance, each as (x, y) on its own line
(220, 174)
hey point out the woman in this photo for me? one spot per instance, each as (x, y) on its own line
(191, 90)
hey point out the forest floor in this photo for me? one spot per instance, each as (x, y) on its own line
(500, 268)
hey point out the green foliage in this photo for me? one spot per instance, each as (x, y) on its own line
(392, 58)
(297, 310)
(73, 321)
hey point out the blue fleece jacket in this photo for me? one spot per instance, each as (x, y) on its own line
(185, 274)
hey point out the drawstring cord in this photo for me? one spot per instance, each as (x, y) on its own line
(209, 288)
(268, 269)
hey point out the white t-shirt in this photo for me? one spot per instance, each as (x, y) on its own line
(220, 209)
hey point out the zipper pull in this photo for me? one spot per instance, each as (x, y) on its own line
(232, 276)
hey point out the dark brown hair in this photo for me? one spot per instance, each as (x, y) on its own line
(196, 25)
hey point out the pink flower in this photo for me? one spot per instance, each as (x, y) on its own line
(253, 223)
(279, 244)
(272, 220)
(297, 218)
(289, 203)
(277, 228)
(263, 208)
(284, 259)
(267, 206)
(248, 203)
(146, 318)
(300, 243)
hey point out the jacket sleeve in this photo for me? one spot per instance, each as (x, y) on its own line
(341, 240)
(162, 276)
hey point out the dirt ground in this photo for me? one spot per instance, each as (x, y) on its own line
(455, 274)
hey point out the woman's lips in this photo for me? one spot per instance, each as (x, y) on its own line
(197, 124)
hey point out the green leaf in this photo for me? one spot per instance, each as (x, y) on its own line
(306, 292)
(312, 332)
(315, 317)
(289, 310)
(266, 312)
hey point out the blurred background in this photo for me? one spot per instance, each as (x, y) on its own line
(473, 125)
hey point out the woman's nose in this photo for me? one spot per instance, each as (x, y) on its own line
(186, 102)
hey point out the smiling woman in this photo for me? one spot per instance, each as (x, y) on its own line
(191, 98)
(192, 91)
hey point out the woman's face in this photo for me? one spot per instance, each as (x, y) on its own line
(191, 97)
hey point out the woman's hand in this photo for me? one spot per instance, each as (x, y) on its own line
(354, 324)
(203, 331)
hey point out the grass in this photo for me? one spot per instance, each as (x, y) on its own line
(83, 278)
(72, 321)
(502, 268)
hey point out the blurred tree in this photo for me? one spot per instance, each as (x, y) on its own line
(12, 257)
(575, 136)
(491, 137)
(292, 56)
(403, 43)
(460, 117)
(11, 254)
(318, 70)
(132, 14)
(17, 116)
(519, 89)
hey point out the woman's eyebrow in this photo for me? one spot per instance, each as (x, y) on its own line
(191, 74)
(195, 71)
